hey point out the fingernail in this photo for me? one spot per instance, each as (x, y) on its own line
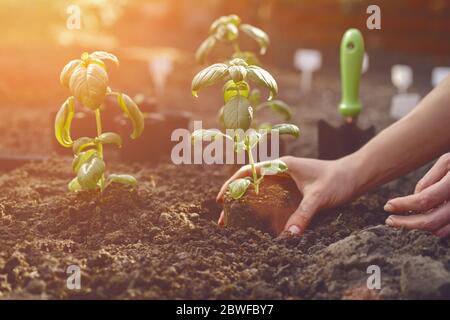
(388, 207)
(390, 222)
(294, 229)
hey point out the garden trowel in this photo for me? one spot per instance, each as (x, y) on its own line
(337, 142)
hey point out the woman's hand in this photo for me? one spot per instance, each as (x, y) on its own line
(429, 202)
(323, 184)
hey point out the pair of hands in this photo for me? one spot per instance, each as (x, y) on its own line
(327, 184)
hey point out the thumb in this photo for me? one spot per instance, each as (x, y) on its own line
(300, 219)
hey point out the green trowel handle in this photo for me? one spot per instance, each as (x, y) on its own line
(352, 54)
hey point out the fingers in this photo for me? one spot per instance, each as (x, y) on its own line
(242, 172)
(434, 220)
(439, 170)
(221, 221)
(443, 232)
(300, 219)
(426, 199)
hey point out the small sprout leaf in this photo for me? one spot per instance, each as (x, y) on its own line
(110, 138)
(238, 187)
(208, 135)
(237, 73)
(263, 78)
(132, 111)
(231, 89)
(287, 128)
(234, 19)
(82, 158)
(82, 143)
(273, 167)
(74, 185)
(89, 85)
(67, 71)
(103, 55)
(63, 121)
(258, 35)
(277, 106)
(232, 32)
(237, 113)
(121, 178)
(90, 173)
(204, 49)
(253, 138)
(208, 77)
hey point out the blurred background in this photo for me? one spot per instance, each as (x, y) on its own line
(36, 43)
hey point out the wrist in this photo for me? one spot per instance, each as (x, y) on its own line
(357, 172)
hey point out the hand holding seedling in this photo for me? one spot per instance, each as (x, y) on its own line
(320, 182)
(404, 146)
(87, 80)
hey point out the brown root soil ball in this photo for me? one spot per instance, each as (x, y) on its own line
(268, 210)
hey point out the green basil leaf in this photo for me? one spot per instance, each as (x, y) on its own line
(103, 55)
(82, 143)
(208, 77)
(67, 71)
(277, 106)
(237, 113)
(74, 185)
(237, 73)
(208, 135)
(273, 167)
(234, 19)
(263, 78)
(131, 109)
(287, 128)
(89, 85)
(110, 138)
(204, 49)
(217, 23)
(238, 187)
(253, 138)
(231, 89)
(121, 178)
(257, 34)
(90, 173)
(232, 32)
(63, 121)
(82, 158)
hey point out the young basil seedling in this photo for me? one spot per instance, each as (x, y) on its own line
(237, 113)
(87, 80)
(227, 29)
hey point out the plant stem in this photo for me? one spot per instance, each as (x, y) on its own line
(254, 173)
(98, 121)
(236, 47)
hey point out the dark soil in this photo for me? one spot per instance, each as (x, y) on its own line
(161, 241)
